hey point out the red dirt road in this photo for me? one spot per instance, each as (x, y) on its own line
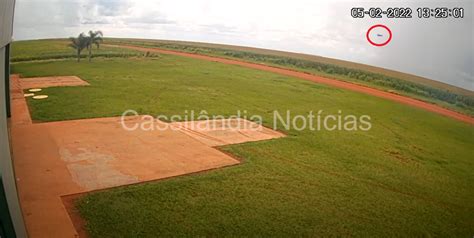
(332, 82)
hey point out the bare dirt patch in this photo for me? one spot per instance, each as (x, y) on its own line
(53, 81)
(69, 202)
(19, 108)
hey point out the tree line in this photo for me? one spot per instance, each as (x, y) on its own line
(83, 41)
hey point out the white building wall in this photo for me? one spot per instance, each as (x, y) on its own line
(6, 164)
(6, 21)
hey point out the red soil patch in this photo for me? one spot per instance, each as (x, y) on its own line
(68, 157)
(55, 81)
(318, 79)
(76, 219)
(19, 108)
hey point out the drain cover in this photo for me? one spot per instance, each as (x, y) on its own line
(40, 97)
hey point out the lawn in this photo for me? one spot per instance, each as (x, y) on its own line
(445, 95)
(59, 49)
(410, 175)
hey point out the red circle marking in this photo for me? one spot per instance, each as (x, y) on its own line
(381, 44)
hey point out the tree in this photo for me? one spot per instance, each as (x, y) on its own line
(94, 38)
(79, 43)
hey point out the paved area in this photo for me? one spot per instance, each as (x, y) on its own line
(55, 81)
(227, 131)
(19, 108)
(56, 159)
(68, 157)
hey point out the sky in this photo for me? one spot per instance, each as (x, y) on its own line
(439, 49)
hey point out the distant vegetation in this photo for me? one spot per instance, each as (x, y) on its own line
(59, 49)
(442, 94)
(83, 41)
(444, 97)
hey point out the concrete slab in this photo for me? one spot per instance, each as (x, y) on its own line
(68, 157)
(57, 159)
(53, 81)
(226, 131)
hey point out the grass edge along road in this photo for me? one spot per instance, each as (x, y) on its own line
(445, 95)
(442, 94)
(332, 82)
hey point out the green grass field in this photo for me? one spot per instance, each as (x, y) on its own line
(448, 96)
(232, 51)
(57, 49)
(410, 175)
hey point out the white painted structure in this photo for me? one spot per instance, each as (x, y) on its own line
(6, 21)
(6, 166)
